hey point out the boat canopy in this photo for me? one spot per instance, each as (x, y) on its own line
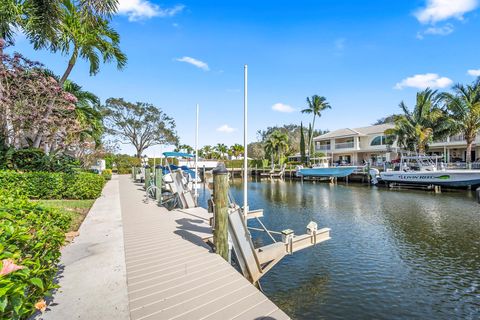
(177, 155)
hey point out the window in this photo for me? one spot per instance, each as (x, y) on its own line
(377, 141)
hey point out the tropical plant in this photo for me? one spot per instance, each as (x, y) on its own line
(141, 124)
(222, 150)
(464, 109)
(277, 145)
(184, 147)
(87, 35)
(237, 150)
(316, 104)
(87, 111)
(414, 130)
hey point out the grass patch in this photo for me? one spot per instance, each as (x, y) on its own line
(77, 209)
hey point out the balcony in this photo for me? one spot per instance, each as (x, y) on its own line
(325, 147)
(344, 145)
(457, 138)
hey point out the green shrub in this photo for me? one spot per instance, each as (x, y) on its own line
(36, 160)
(83, 186)
(31, 237)
(107, 174)
(53, 185)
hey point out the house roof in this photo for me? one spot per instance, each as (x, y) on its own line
(362, 131)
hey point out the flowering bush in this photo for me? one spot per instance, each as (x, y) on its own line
(30, 241)
(53, 185)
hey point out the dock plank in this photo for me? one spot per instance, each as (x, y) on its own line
(172, 273)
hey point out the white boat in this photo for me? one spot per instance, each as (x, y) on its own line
(323, 169)
(426, 170)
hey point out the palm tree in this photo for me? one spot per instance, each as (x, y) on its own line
(277, 144)
(88, 37)
(237, 150)
(464, 110)
(207, 151)
(40, 20)
(414, 130)
(87, 111)
(221, 149)
(316, 104)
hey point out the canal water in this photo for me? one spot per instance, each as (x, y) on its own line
(393, 254)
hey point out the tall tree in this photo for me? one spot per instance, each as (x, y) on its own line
(86, 35)
(222, 150)
(415, 129)
(237, 150)
(316, 104)
(464, 109)
(141, 124)
(277, 144)
(302, 144)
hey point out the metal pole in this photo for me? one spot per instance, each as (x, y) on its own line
(245, 140)
(196, 158)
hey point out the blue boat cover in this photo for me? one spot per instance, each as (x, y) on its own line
(178, 154)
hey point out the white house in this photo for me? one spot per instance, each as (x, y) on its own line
(357, 145)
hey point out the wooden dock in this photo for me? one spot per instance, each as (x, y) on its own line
(171, 272)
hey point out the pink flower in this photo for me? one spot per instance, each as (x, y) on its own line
(9, 266)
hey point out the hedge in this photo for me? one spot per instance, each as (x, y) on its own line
(53, 185)
(30, 241)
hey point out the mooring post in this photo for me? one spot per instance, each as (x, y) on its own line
(147, 178)
(132, 173)
(158, 184)
(478, 194)
(220, 198)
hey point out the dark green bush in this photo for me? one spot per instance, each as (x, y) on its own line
(31, 237)
(53, 185)
(83, 186)
(36, 160)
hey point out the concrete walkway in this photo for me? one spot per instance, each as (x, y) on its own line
(93, 282)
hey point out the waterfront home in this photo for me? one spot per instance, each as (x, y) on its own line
(358, 145)
(455, 147)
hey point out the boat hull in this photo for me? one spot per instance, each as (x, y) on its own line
(452, 178)
(336, 172)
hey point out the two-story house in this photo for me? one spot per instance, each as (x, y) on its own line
(357, 145)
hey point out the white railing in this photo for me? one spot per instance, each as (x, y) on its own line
(344, 145)
(323, 147)
(457, 138)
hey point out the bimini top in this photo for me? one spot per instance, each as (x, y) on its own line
(177, 154)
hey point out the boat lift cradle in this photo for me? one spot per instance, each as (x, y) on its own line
(254, 262)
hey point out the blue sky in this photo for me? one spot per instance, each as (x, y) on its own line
(363, 56)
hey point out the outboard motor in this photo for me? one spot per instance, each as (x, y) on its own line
(297, 171)
(374, 174)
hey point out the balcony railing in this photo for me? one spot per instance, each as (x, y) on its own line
(457, 138)
(344, 145)
(323, 147)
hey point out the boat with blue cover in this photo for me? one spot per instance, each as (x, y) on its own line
(322, 169)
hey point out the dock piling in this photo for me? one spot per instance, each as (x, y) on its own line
(478, 194)
(220, 198)
(158, 184)
(147, 178)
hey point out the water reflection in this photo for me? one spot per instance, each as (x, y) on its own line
(393, 254)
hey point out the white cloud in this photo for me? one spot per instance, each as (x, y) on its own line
(440, 10)
(195, 62)
(144, 9)
(226, 129)
(423, 81)
(280, 107)
(474, 72)
(438, 31)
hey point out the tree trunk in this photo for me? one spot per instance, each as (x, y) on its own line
(311, 139)
(468, 156)
(71, 64)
